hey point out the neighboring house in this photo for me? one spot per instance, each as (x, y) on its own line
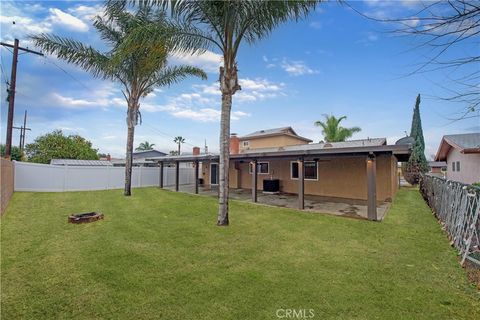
(140, 159)
(82, 163)
(461, 152)
(278, 137)
(437, 168)
(341, 169)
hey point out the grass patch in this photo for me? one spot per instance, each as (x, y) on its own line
(159, 255)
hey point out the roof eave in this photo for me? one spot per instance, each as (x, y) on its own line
(397, 150)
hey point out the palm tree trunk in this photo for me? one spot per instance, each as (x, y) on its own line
(222, 219)
(179, 148)
(131, 115)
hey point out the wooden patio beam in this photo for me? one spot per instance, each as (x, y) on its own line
(254, 180)
(301, 184)
(196, 163)
(161, 174)
(372, 188)
(177, 174)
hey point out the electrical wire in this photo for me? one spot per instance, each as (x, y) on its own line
(67, 73)
(165, 134)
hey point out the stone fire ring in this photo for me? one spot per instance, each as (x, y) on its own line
(85, 217)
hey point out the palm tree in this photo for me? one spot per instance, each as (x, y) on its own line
(138, 66)
(224, 25)
(179, 140)
(332, 131)
(145, 146)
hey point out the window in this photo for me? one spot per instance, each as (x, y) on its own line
(453, 166)
(262, 167)
(310, 170)
(245, 144)
(458, 165)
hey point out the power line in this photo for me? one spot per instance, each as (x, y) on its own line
(67, 73)
(166, 134)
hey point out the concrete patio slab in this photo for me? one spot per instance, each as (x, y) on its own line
(337, 206)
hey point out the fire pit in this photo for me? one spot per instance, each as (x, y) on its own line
(85, 217)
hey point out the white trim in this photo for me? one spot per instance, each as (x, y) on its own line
(218, 174)
(292, 178)
(250, 168)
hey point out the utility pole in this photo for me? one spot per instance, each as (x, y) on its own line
(11, 93)
(23, 130)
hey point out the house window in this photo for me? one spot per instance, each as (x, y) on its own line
(310, 170)
(458, 165)
(245, 144)
(262, 167)
(453, 166)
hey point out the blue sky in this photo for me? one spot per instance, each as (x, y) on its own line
(334, 62)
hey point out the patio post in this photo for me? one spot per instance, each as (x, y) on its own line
(177, 174)
(371, 188)
(254, 180)
(161, 174)
(301, 185)
(196, 176)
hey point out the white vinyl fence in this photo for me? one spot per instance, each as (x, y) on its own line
(51, 178)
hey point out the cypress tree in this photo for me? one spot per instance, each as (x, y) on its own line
(417, 163)
(416, 131)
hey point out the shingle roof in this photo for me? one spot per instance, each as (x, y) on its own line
(317, 146)
(465, 141)
(273, 132)
(268, 132)
(74, 162)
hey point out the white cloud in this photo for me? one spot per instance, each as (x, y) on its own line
(19, 26)
(86, 12)
(203, 102)
(368, 38)
(297, 68)
(315, 24)
(208, 61)
(67, 20)
(68, 102)
(102, 97)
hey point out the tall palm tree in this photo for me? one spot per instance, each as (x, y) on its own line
(179, 140)
(145, 146)
(138, 66)
(224, 26)
(332, 131)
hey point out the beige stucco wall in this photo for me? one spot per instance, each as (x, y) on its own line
(270, 142)
(469, 166)
(339, 177)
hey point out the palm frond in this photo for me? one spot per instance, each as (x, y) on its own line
(173, 74)
(75, 52)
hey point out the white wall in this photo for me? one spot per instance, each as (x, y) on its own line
(469, 166)
(50, 178)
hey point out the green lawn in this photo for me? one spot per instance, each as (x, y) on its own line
(158, 254)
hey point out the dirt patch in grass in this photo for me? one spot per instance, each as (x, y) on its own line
(473, 273)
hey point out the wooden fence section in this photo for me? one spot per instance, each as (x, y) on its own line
(6, 183)
(457, 207)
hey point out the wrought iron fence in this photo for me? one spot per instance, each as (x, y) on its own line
(457, 207)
